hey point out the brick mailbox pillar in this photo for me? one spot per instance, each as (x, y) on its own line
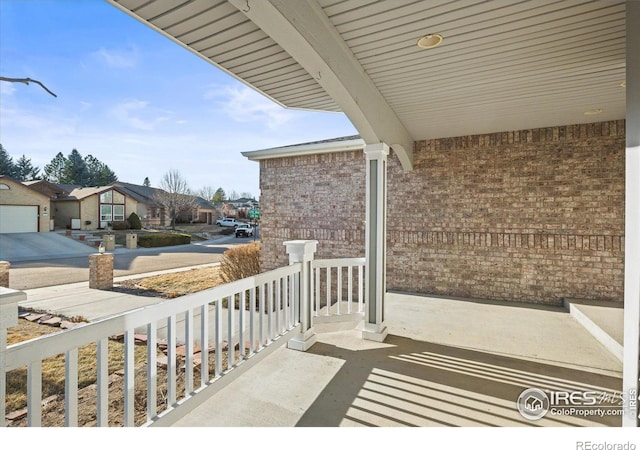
(4, 273)
(132, 240)
(101, 271)
(109, 242)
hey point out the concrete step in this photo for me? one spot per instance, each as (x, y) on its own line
(604, 320)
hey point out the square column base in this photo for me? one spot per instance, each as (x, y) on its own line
(303, 341)
(377, 334)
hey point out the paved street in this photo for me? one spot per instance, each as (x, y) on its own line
(57, 271)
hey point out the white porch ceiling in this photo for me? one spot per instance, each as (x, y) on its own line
(503, 64)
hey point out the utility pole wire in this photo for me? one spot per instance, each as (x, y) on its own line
(27, 81)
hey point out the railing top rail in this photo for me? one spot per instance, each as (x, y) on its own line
(338, 262)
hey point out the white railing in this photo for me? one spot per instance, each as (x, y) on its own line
(259, 311)
(332, 300)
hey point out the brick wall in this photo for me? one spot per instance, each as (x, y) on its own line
(531, 215)
(312, 197)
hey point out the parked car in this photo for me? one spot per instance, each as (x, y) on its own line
(244, 230)
(226, 222)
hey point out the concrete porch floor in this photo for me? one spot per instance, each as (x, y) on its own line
(445, 363)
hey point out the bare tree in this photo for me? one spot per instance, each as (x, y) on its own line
(175, 196)
(207, 193)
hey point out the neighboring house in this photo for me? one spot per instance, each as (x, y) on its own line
(92, 208)
(151, 212)
(22, 208)
(205, 212)
(242, 206)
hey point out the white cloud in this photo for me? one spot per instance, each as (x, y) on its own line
(243, 104)
(137, 114)
(117, 58)
(6, 88)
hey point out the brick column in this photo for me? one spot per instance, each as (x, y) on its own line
(4, 273)
(101, 271)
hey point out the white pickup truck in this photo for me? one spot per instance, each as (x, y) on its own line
(226, 222)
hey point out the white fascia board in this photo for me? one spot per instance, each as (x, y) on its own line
(305, 149)
(305, 32)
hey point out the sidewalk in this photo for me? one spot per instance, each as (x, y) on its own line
(77, 299)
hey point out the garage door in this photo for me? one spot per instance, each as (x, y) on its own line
(18, 219)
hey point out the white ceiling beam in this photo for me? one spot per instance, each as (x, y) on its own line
(305, 32)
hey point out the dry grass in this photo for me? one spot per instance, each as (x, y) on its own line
(174, 285)
(53, 374)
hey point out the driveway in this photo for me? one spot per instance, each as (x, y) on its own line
(35, 272)
(35, 246)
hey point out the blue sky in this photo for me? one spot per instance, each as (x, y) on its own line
(135, 100)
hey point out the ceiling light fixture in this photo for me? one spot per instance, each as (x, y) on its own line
(430, 41)
(593, 111)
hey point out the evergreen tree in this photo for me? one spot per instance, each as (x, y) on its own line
(146, 182)
(24, 170)
(55, 170)
(99, 173)
(75, 171)
(7, 167)
(219, 196)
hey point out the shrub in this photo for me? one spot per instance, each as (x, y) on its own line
(120, 225)
(240, 262)
(163, 239)
(134, 221)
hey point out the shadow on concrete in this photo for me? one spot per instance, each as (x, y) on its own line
(407, 382)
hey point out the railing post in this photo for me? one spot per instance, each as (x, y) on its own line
(303, 252)
(9, 299)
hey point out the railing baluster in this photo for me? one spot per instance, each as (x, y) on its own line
(360, 293)
(252, 312)
(231, 350)
(241, 325)
(339, 289)
(270, 311)
(217, 332)
(317, 296)
(278, 304)
(152, 370)
(261, 316)
(292, 307)
(102, 410)
(129, 378)
(204, 344)
(349, 288)
(188, 354)
(71, 388)
(34, 394)
(328, 291)
(171, 360)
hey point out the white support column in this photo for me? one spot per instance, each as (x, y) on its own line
(375, 241)
(9, 299)
(632, 220)
(303, 252)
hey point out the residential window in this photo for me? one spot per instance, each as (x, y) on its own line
(111, 207)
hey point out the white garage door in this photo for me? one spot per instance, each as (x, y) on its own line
(18, 219)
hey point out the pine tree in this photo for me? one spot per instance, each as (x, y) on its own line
(7, 167)
(75, 171)
(99, 173)
(24, 170)
(219, 196)
(146, 182)
(55, 170)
